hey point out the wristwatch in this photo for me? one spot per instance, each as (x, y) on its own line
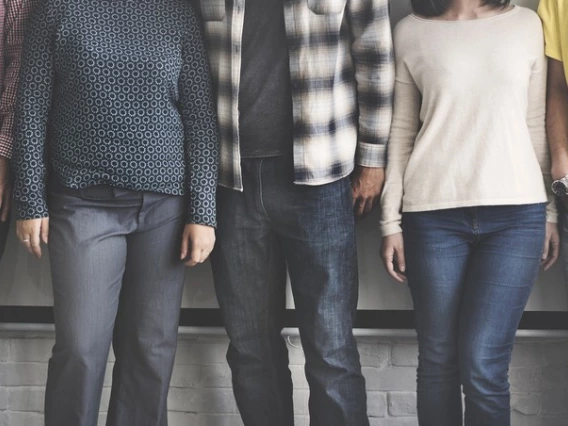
(560, 187)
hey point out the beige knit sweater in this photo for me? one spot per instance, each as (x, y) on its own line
(469, 118)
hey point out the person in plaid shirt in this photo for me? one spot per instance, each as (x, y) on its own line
(13, 17)
(304, 92)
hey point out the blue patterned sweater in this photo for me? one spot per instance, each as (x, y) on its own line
(116, 92)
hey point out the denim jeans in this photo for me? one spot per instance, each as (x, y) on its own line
(4, 229)
(275, 223)
(470, 271)
(117, 278)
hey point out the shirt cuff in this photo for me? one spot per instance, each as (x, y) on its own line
(371, 155)
(552, 212)
(32, 210)
(202, 220)
(202, 213)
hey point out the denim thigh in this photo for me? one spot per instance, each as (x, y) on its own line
(470, 272)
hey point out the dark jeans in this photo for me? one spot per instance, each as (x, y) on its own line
(4, 229)
(470, 271)
(275, 223)
(116, 278)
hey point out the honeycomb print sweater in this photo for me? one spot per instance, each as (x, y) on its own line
(117, 93)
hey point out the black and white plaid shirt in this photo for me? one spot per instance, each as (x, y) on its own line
(342, 70)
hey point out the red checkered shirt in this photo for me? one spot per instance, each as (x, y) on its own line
(14, 15)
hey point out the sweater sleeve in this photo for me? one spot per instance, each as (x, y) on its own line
(200, 127)
(33, 104)
(536, 122)
(405, 127)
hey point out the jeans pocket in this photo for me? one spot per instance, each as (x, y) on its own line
(327, 7)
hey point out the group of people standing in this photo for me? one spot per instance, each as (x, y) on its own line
(139, 137)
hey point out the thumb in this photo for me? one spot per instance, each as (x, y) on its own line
(545, 252)
(45, 230)
(399, 252)
(184, 246)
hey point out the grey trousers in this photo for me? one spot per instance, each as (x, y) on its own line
(116, 278)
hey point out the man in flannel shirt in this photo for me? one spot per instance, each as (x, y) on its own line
(304, 92)
(13, 17)
(554, 15)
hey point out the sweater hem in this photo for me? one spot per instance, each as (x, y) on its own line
(473, 203)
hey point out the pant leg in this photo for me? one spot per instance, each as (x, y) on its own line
(250, 274)
(437, 249)
(503, 269)
(87, 247)
(316, 226)
(145, 336)
(4, 229)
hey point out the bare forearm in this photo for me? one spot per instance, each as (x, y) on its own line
(557, 119)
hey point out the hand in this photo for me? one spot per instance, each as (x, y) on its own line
(392, 253)
(197, 243)
(367, 184)
(5, 189)
(31, 233)
(551, 246)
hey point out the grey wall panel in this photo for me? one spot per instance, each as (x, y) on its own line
(24, 281)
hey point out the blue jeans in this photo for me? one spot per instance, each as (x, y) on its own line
(470, 271)
(275, 223)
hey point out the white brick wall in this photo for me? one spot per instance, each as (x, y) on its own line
(201, 392)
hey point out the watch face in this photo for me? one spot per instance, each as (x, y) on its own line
(559, 188)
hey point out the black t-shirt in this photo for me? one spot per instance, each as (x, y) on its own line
(265, 97)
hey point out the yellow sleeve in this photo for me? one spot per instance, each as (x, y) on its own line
(550, 15)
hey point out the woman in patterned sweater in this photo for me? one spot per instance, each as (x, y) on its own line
(116, 159)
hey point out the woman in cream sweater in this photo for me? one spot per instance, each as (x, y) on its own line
(465, 207)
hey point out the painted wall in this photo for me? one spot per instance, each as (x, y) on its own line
(24, 281)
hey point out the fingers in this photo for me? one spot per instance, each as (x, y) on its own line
(45, 230)
(395, 264)
(31, 233)
(546, 248)
(197, 257)
(184, 244)
(359, 207)
(552, 250)
(197, 244)
(363, 206)
(400, 260)
(35, 243)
